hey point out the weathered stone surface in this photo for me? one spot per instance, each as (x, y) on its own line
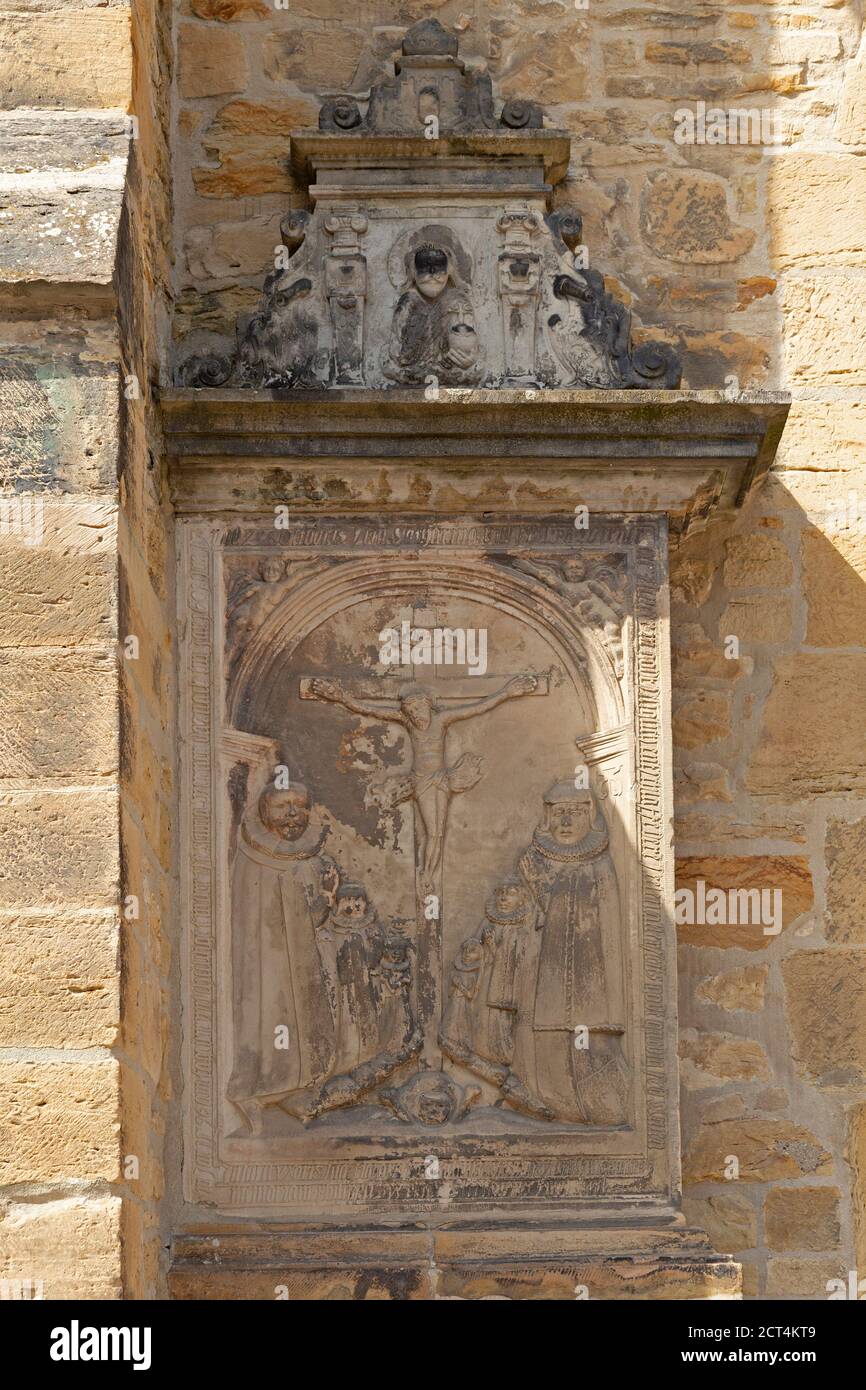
(684, 217)
(825, 328)
(774, 1098)
(143, 1247)
(767, 873)
(818, 192)
(550, 69)
(248, 142)
(851, 120)
(845, 857)
(302, 57)
(802, 1218)
(499, 1265)
(835, 586)
(142, 1134)
(230, 249)
(57, 144)
(855, 1153)
(60, 233)
(70, 1244)
(698, 51)
(766, 1150)
(825, 999)
(694, 658)
(711, 357)
(38, 828)
(757, 619)
(730, 1106)
(702, 719)
(691, 578)
(730, 1222)
(146, 999)
(230, 10)
(804, 1279)
(696, 826)
(58, 980)
(707, 1058)
(60, 420)
(48, 58)
(827, 696)
(744, 989)
(212, 61)
(59, 714)
(702, 782)
(60, 1121)
(54, 600)
(757, 560)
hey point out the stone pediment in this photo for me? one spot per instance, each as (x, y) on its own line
(431, 255)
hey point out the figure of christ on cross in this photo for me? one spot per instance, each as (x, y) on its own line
(429, 782)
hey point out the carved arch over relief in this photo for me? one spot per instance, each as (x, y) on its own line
(577, 647)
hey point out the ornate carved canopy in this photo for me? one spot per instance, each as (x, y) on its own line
(432, 256)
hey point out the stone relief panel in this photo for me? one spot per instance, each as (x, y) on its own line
(427, 913)
(432, 254)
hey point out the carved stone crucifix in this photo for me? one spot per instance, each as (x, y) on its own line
(429, 783)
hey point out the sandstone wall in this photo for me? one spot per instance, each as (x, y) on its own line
(85, 769)
(751, 260)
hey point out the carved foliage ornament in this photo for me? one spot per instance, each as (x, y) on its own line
(497, 289)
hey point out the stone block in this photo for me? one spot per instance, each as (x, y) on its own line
(58, 848)
(59, 982)
(61, 1121)
(66, 58)
(827, 696)
(825, 999)
(802, 1218)
(69, 1245)
(211, 61)
(765, 1149)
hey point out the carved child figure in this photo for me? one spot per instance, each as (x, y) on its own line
(348, 945)
(489, 986)
(591, 597)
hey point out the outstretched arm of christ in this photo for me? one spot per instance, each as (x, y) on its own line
(332, 691)
(521, 685)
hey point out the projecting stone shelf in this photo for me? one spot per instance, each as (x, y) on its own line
(682, 453)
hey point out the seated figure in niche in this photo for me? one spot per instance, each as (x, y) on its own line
(433, 331)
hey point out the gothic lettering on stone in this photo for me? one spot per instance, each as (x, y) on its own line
(494, 286)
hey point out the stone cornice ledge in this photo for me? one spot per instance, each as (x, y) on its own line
(685, 453)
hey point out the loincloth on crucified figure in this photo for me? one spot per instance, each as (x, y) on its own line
(400, 787)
